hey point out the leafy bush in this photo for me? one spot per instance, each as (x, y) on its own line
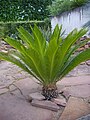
(59, 6)
(23, 10)
(48, 61)
(10, 28)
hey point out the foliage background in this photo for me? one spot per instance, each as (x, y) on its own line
(59, 6)
(21, 10)
(26, 10)
(15, 13)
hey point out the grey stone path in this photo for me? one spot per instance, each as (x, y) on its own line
(87, 117)
(16, 85)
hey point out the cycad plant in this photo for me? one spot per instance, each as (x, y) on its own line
(48, 61)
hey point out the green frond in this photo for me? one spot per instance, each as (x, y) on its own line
(39, 40)
(25, 36)
(81, 57)
(14, 60)
(47, 61)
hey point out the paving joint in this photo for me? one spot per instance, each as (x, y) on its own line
(21, 86)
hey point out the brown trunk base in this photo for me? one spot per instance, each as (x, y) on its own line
(49, 92)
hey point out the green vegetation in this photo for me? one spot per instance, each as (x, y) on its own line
(10, 28)
(27, 10)
(15, 13)
(59, 6)
(48, 61)
(23, 10)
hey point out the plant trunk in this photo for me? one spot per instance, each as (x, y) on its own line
(49, 91)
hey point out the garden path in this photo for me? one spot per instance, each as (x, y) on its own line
(16, 85)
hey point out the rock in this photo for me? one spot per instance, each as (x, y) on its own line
(88, 62)
(83, 63)
(87, 117)
(15, 108)
(4, 90)
(80, 49)
(75, 91)
(28, 85)
(3, 42)
(36, 95)
(66, 94)
(76, 108)
(88, 43)
(12, 88)
(45, 104)
(74, 81)
(30, 98)
(4, 51)
(58, 101)
(86, 46)
(87, 100)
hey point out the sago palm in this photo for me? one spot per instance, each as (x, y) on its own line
(49, 61)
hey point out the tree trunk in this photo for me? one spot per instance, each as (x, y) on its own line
(50, 91)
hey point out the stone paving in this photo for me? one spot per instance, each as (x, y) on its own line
(87, 117)
(76, 107)
(16, 86)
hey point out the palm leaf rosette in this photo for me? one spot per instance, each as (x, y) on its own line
(48, 61)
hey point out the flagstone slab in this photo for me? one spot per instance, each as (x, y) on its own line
(45, 105)
(60, 102)
(14, 108)
(12, 88)
(88, 62)
(75, 109)
(10, 73)
(87, 117)
(82, 91)
(36, 96)
(4, 90)
(80, 70)
(80, 80)
(28, 85)
(66, 94)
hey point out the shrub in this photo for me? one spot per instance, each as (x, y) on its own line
(48, 61)
(23, 10)
(59, 6)
(10, 28)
